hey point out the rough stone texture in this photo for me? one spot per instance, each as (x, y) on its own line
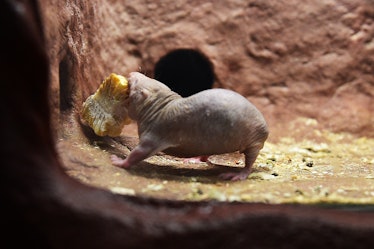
(312, 59)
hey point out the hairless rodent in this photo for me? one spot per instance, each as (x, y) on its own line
(210, 122)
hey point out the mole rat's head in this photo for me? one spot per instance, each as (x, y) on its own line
(143, 91)
(142, 87)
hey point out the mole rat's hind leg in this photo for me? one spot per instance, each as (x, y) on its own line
(142, 151)
(250, 157)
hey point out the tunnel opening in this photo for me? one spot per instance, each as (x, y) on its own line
(185, 71)
(66, 81)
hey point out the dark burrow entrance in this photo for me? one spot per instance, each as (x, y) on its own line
(185, 71)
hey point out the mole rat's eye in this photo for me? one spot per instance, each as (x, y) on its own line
(132, 79)
(144, 93)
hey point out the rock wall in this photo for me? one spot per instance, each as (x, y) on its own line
(313, 59)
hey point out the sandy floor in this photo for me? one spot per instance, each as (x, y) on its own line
(309, 165)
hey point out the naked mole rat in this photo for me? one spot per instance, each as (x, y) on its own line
(210, 122)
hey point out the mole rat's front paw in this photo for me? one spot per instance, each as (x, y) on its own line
(234, 176)
(119, 162)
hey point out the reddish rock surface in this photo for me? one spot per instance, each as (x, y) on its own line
(313, 59)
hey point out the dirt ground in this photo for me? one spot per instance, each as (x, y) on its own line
(307, 166)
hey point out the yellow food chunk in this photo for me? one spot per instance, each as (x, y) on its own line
(105, 110)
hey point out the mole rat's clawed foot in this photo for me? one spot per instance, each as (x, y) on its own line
(119, 162)
(199, 159)
(235, 176)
